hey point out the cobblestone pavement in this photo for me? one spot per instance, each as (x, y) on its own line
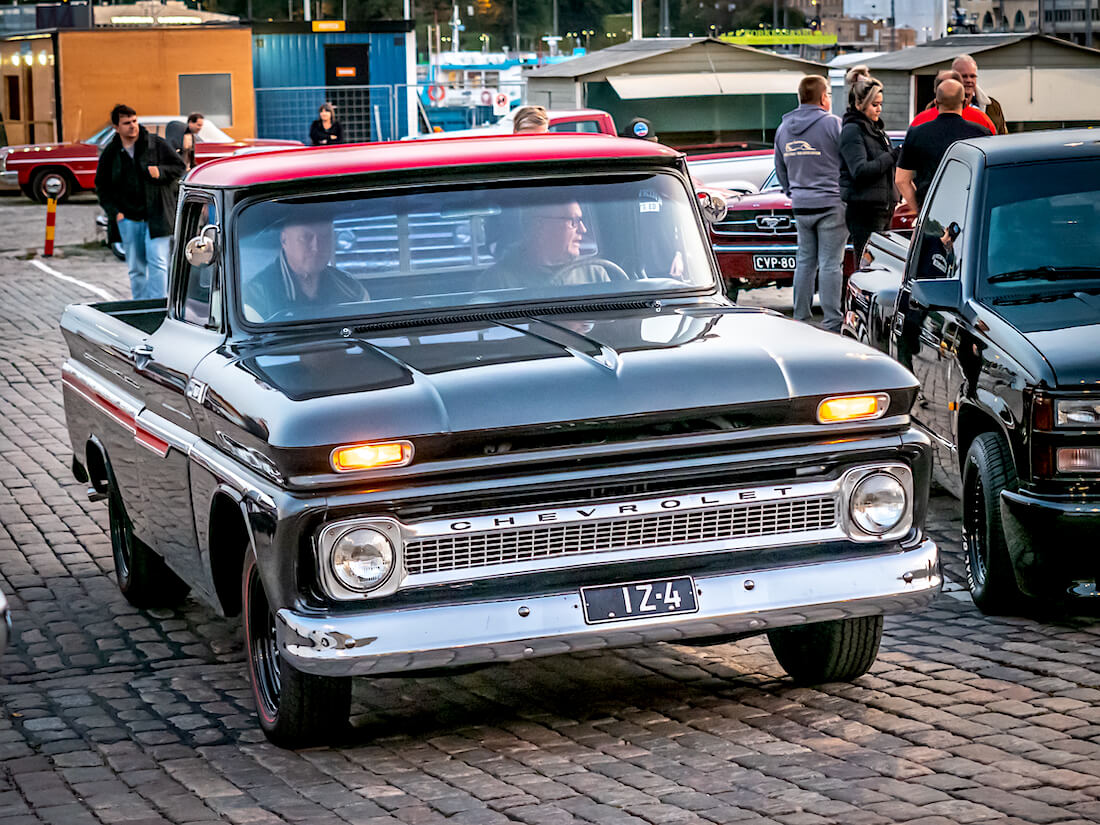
(109, 714)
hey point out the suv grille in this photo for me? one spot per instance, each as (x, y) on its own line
(446, 553)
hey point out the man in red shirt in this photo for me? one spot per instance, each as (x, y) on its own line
(971, 113)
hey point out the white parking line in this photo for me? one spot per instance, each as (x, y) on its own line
(95, 290)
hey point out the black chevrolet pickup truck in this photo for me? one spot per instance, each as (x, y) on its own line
(995, 306)
(440, 404)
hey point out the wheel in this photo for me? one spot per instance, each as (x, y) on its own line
(988, 470)
(295, 709)
(835, 651)
(142, 576)
(46, 176)
(733, 289)
(118, 250)
(614, 271)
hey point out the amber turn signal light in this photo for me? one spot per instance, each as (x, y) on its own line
(852, 408)
(372, 456)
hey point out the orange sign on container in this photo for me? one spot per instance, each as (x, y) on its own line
(345, 71)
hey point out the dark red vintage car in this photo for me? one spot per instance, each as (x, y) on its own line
(72, 165)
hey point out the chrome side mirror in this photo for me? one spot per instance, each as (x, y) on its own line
(713, 204)
(200, 250)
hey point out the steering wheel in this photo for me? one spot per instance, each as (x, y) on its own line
(613, 270)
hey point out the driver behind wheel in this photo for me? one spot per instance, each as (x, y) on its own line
(549, 254)
(301, 281)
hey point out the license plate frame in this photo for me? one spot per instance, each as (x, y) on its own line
(644, 599)
(773, 263)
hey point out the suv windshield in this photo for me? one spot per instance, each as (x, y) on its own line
(440, 249)
(1043, 229)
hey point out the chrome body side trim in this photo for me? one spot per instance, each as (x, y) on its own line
(393, 641)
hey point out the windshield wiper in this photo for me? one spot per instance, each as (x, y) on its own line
(1046, 273)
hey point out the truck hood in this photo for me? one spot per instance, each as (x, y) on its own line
(1066, 333)
(535, 371)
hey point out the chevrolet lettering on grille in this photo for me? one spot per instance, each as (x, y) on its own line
(596, 512)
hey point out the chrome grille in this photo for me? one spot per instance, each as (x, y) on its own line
(445, 553)
(760, 224)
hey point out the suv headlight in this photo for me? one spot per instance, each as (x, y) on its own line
(1076, 413)
(878, 503)
(362, 559)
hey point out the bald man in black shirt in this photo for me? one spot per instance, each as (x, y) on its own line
(925, 145)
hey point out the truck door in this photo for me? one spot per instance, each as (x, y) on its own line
(169, 356)
(926, 333)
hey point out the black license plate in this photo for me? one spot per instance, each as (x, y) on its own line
(639, 600)
(772, 263)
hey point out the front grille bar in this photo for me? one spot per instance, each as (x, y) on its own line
(442, 554)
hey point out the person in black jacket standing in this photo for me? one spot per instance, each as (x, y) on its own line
(137, 183)
(326, 131)
(866, 161)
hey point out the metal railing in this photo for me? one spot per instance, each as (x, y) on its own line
(366, 113)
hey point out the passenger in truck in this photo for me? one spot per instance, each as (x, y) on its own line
(301, 281)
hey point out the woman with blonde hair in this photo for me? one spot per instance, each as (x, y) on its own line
(530, 120)
(866, 161)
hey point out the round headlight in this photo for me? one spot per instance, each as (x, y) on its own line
(362, 559)
(878, 503)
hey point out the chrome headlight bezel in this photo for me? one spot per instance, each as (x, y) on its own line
(899, 473)
(1086, 409)
(327, 541)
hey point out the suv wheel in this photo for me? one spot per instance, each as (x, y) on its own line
(836, 651)
(295, 709)
(987, 471)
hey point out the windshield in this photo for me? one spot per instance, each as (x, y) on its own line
(455, 248)
(101, 137)
(1043, 229)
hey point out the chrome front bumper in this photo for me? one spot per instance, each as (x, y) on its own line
(394, 641)
(9, 180)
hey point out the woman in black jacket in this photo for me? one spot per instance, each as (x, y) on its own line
(867, 161)
(325, 130)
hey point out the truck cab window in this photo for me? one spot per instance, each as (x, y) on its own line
(200, 286)
(942, 232)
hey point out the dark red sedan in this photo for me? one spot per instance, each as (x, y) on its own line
(72, 165)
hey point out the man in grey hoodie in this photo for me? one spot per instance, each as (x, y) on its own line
(807, 164)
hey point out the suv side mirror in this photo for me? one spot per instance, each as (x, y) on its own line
(200, 250)
(937, 294)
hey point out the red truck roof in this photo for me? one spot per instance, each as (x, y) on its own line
(327, 161)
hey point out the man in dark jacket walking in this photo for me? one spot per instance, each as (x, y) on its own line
(807, 165)
(137, 183)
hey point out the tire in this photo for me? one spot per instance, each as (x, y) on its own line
(987, 471)
(836, 651)
(733, 289)
(38, 185)
(142, 576)
(295, 709)
(118, 250)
